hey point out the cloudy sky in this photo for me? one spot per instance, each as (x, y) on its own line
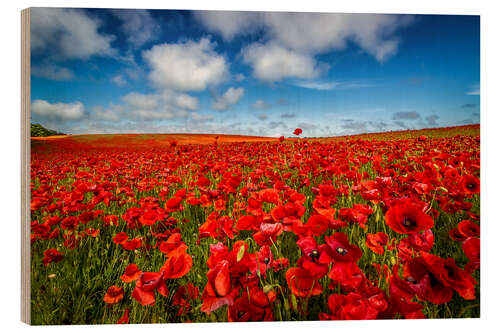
(252, 73)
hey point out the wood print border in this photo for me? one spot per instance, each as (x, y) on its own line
(25, 167)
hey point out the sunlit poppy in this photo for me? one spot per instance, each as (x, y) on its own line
(113, 295)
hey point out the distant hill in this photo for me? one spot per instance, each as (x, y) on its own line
(38, 130)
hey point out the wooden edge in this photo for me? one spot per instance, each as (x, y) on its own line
(25, 168)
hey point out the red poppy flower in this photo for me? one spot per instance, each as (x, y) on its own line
(248, 222)
(124, 319)
(132, 244)
(408, 309)
(470, 184)
(177, 265)
(110, 220)
(120, 238)
(468, 228)
(399, 287)
(297, 131)
(321, 205)
(377, 242)
(281, 139)
(51, 255)
(316, 226)
(86, 217)
(354, 215)
(423, 241)
(69, 223)
(174, 204)
(150, 217)
(217, 227)
(407, 218)
(315, 268)
(132, 273)
(363, 209)
(424, 283)
(219, 290)
(92, 232)
(280, 263)
(451, 174)
(220, 205)
(340, 250)
(301, 283)
(132, 216)
(172, 244)
(456, 235)
(372, 195)
(405, 249)
(471, 247)
(310, 260)
(181, 193)
(253, 305)
(288, 213)
(347, 274)
(148, 282)
(309, 247)
(114, 295)
(263, 260)
(353, 306)
(71, 241)
(451, 275)
(183, 296)
(267, 234)
(240, 260)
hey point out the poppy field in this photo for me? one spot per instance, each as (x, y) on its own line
(157, 228)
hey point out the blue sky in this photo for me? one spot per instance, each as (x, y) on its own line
(251, 73)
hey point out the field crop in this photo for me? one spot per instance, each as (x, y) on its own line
(205, 228)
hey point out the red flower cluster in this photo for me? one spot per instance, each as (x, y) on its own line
(339, 229)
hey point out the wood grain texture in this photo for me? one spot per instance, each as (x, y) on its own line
(25, 167)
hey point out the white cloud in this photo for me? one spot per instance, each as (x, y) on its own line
(307, 126)
(137, 107)
(68, 34)
(432, 120)
(52, 72)
(58, 111)
(320, 32)
(160, 106)
(261, 105)
(275, 124)
(410, 115)
(474, 90)
(272, 62)
(141, 101)
(139, 26)
(314, 32)
(239, 77)
(188, 66)
(112, 114)
(262, 116)
(229, 23)
(230, 97)
(317, 85)
(119, 80)
(201, 117)
(332, 85)
(134, 73)
(288, 115)
(184, 101)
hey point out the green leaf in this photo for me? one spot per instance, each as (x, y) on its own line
(294, 302)
(241, 253)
